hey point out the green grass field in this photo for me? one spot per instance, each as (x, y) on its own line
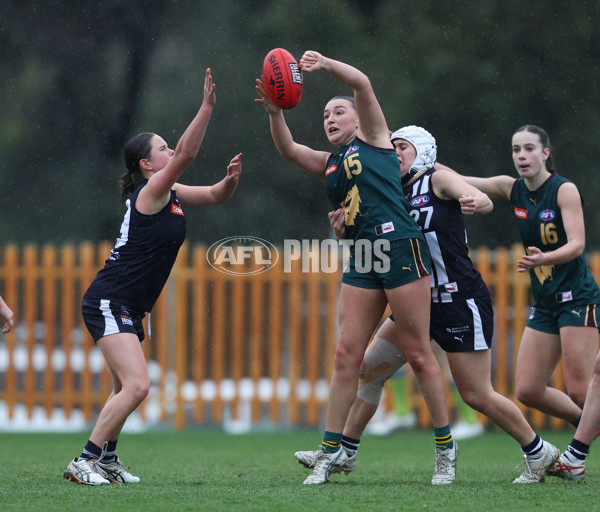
(213, 471)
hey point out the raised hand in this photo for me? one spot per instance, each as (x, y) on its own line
(311, 61)
(265, 100)
(210, 98)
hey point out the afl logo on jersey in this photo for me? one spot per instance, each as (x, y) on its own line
(350, 150)
(419, 201)
(547, 215)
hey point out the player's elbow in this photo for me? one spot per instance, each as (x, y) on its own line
(488, 207)
(184, 158)
(578, 248)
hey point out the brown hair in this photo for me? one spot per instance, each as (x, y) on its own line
(544, 140)
(347, 98)
(138, 148)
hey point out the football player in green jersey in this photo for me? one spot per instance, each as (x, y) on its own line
(363, 177)
(563, 322)
(462, 316)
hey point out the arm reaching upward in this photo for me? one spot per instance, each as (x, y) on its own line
(155, 195)
(310, 160)
(372, 125)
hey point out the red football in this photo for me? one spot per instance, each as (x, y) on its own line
(282, 78)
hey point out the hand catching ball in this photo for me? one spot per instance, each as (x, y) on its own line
(282, 78)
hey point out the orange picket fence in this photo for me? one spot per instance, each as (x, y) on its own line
(238, 351)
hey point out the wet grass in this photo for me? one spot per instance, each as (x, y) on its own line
(210, 470)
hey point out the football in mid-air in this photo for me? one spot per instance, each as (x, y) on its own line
(282, 78)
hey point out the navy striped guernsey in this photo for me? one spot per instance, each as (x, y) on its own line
(140, 263)
(442, 222)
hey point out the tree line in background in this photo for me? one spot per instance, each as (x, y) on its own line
(79, 79)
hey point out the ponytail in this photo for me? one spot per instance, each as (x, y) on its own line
(135, 150)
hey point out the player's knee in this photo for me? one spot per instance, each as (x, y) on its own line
(475, 400)
(577, 393)
(529, 396)
(138, 390)
(141, 393)
(347, 360)
(419, 361)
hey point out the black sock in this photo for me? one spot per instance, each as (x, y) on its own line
(90, 451)
(111, 452)
(534, 449)
(578, 450)
(350, 445)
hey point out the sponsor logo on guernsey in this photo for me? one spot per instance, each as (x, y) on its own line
(547, 215)
(350, 150)
(451, 287)
(419, 201)
(125, 320)
(520, 213)
(176, 209)
(386, 227)
(564, 296)
(330, 169)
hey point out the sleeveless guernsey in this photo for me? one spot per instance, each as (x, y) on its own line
(140, 263)
(453, 277)
(365, 181)
(540, 224)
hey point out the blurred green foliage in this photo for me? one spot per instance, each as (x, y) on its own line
(80, 78)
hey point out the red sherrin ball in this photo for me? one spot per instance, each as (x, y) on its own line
(282, 78)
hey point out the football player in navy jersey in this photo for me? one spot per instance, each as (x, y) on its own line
(128, 285)
(462, 318)
(563, 322)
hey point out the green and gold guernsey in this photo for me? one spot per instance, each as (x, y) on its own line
(365, 181)
(540, 225)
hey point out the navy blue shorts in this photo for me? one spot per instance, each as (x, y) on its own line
(103, 317)
(462, 326)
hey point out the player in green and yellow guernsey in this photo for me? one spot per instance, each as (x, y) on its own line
(542, 229)
(365, 181)
(389, 259)
(563, 320)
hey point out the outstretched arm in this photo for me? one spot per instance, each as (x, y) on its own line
(496, 187)
(372, 125)
(310, 160)
(214, 194)
(155, 195)
(450, 185)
